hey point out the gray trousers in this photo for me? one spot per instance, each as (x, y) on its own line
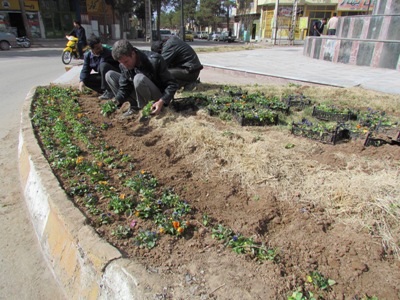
(144, 89)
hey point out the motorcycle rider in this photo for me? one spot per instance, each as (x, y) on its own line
(99, 60)
(80, 34)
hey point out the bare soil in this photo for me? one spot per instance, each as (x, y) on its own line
(320, 206)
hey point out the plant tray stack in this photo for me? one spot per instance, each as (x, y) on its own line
(383, 137)
(255, 118)
(333, 116)
(193, 103)
(325, 136)
(297, 102)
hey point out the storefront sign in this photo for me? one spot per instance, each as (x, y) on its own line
(356, 4)
(30, 5)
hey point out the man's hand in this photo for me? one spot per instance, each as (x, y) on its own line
(156, 107)
(81, 86)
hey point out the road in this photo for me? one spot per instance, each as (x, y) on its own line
(24, 272)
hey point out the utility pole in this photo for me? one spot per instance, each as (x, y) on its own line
(25, 20)
(182, 23)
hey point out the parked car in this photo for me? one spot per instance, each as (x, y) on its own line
(197, 34)
(226, 38)
(165, 34)
(203, 35)
(189, 36)
(215, 36)
(7, 40)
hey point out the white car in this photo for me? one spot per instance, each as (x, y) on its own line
(165, 34)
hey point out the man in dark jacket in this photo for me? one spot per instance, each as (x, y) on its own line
(318, 27)
(144, 77)
(79, 32)
(182, 61)
(99, 60)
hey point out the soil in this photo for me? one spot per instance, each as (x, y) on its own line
(312, 203)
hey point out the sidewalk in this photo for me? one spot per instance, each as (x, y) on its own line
(290, 63)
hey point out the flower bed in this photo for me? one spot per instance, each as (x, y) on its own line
(320, 132)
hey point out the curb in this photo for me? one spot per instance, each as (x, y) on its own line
(85, 266)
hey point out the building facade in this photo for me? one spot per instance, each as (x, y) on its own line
(264, 27)
(11, 17)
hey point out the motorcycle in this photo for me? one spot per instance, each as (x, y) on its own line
(23, 42)
(71, 50)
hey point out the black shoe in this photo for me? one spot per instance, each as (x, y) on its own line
(106, 96)
(118, 104)
(131, 111)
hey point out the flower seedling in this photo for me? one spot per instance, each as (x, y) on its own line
(146, 239)
(108, 108)
(122, 232)
(319, 281)
(146, 111)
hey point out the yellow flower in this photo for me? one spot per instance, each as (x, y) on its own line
(162, 230)
(103, 182)
(142, 171)
(99, 164)
(137, 213)
(180, 229)
(80, 115)
(121, 152)
(122, 196)
(79, 160)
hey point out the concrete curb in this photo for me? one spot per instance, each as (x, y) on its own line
(86, 266)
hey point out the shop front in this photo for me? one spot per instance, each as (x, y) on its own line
(11, 17)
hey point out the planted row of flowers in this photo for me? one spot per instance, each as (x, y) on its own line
(77, 152)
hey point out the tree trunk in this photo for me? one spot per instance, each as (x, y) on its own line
(25, 20)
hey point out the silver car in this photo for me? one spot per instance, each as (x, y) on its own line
(7, 40)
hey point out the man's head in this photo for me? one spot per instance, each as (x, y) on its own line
(125, 53)
(157, 46)
(95, 46)
(77, 23)
(324, 20)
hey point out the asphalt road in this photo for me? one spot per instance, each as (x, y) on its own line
(24, 272)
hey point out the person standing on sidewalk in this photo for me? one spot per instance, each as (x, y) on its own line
(182, 61)
(99, 60)
(144, 77)
(332, 24)
(80, 34)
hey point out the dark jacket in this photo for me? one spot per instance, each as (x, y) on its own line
(178, 54)
(91, 62)
(153, 66)
(80, 34)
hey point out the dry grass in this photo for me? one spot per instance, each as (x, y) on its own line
(363, 193)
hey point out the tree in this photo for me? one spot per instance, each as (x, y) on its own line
(211, 13)
(25, 20)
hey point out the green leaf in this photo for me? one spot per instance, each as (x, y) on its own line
(289, 146)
